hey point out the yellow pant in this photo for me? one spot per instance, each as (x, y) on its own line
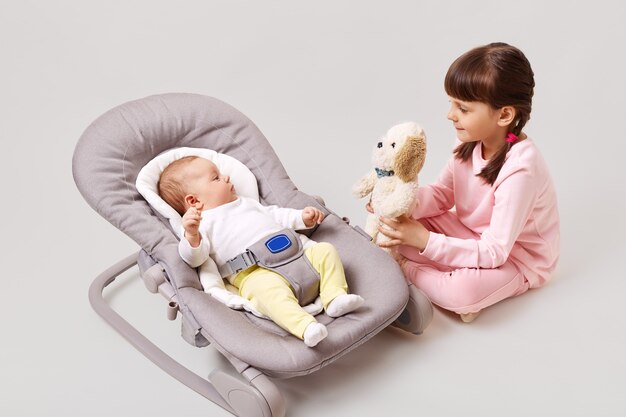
(272, 295)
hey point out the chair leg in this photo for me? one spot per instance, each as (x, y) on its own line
(143, 344)
(259, 398)
(417, 314)
(270, 391)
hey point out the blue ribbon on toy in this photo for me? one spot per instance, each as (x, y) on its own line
(383, 173)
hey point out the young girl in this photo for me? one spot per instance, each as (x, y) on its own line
(503, 236)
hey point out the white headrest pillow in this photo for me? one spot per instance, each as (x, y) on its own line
(148, 178)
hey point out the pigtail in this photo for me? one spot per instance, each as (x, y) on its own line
(464, 151)
(490, 172)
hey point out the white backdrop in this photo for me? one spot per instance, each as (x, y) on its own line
(322, 80)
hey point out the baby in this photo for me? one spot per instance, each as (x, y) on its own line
(221, 224)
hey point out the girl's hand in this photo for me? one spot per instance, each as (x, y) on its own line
(191, 224)
(369, 208)
(312, 216)
(405, 231)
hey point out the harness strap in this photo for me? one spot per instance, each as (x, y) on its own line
(237, 264)
(282, 253)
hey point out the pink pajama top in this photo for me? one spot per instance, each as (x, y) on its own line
(516, 218)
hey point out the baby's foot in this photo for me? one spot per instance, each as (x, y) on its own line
(314, 333)
(343, 304)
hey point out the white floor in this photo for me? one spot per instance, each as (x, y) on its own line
(322, 81)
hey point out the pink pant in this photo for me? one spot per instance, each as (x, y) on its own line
(464, 290)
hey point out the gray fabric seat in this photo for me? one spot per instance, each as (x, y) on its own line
(117, 145)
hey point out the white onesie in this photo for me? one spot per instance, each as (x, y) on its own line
(229, 229)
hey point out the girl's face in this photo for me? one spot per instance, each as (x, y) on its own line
(474, 120)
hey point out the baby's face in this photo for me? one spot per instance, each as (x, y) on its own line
(205, 183)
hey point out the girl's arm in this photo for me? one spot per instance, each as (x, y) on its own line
(437, 198)
(515, 199)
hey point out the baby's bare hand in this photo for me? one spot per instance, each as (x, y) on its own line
(312, 216)
(191, 219)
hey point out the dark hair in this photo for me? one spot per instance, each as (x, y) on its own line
(499, 75)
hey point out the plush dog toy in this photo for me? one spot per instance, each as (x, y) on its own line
(397, 159)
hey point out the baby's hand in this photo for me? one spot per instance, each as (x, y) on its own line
(312, 216)
(191, 223)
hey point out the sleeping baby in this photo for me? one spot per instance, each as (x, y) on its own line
(220, 224)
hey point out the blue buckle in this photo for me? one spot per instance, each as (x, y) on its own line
(278, 243)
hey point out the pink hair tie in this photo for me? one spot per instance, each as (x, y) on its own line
(511, 137)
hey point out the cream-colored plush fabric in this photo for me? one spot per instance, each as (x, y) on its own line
(392, 184)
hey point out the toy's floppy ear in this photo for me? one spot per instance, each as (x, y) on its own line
(410, 158)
